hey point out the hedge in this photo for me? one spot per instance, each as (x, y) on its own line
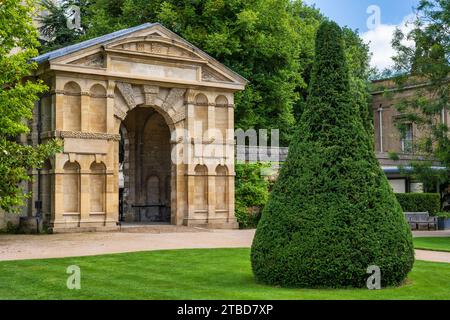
(332, 213)
(420, 202)
(252, 193)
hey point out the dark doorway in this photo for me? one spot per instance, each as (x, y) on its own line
(145, 156)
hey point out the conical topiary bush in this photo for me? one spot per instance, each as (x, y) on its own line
(332, 213)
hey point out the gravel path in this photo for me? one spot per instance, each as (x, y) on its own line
(431, 234)
(435, 256)
(18, 247)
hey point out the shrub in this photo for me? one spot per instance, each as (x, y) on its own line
(10, 228)
(420, 202)
(443, 215)
(252, 192)
(332, 213)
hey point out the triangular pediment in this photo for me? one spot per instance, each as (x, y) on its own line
(96, 60)
(154, 45)
(150, 51)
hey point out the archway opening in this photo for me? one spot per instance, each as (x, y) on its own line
(145, 166)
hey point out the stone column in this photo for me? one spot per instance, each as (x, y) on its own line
(211, 120)
(110, 120)
(231, 216)
(189, 158)
(179, 194)
(229, 160)
(112, 199)
(211, 195)
(58, 106)
(85, 101)
(58, 207)
(85, 203)
(58, 197)
(178, 191)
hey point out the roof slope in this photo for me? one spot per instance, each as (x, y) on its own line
(108, 38)
(88, 43)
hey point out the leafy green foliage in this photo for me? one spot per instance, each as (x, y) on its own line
(420, 202)
(358, 57)
(443, 215)
(18, 42)
(252, 192)
(269, 42)
(428, 61)
(259, 39)
(424, 171)
(54, 29)
(332, 213)
(10, 228)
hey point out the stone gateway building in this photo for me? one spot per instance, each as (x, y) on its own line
(147, 123)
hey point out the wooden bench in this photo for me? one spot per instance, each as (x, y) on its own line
(421, 221)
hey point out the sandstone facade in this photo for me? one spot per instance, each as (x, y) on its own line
(147, 121)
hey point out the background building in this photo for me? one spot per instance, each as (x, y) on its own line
(387, 137)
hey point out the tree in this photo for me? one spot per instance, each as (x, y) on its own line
(54, 28)
(269, 42)
(18, 42)
(427, 62)
(332, 213)
(357, 55)
(256, 38)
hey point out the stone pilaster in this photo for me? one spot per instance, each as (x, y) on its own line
(211, 196)
(57, 105)
(110, 120)
(84, 197)
(85, 101)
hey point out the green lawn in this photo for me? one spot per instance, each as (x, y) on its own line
(435, 244)
(187, 274)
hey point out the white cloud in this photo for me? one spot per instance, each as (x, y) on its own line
(380, 38)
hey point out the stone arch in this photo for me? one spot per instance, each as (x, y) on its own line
(97, 188)
(71, 187)
(201, 188)
(222, 196)
(157, 159)
(201, 100)
(162, 100)
(221, 101)
(148, 164)
(97, 109)
(168, 120)
(72, 107)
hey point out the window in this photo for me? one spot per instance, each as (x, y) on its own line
(407, 138)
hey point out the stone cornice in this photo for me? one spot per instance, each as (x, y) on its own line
(121, 76)
(82, 93)
(86, 135)
(209, 104)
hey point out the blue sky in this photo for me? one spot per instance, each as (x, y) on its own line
(353, 13)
